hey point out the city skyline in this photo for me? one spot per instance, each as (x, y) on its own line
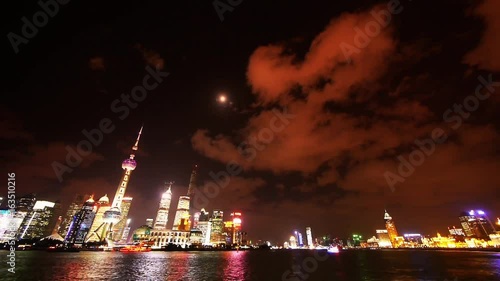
(334, 111)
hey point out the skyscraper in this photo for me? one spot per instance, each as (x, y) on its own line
(309, 237)
(81, 223)
(217, 227)
(204, 215)
(391, 229)
(118, 229)
(196, 219)
(40, 221)
(126, 232)
(181, 220)
(96, 232)
(24, 205)
(237, 234)
(476, 224)
(162, 215)
(73, 208)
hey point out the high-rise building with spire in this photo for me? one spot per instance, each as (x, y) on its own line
(162, 215)
(391, 229)
(105, 227)
(183, 213)
(181, 220)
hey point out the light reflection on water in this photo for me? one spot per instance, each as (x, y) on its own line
(253, 265)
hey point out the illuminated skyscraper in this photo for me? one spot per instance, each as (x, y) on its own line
(24, 205)
(217, 227)
(73, 209)
(181, 221)
(206, 229)
(162, 215)
(40, 222)
(196, 219)
(126, 232)
(309, 237)
(97, 230)
(81, 224)
(204, 215)
(476, 224)
(118, 229)
(237, 233)
(391, 229)
(293, 242)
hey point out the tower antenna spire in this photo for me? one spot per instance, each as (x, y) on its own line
(192, 181)
(136, 145)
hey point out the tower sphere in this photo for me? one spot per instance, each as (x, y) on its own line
(129, 164)
(112, 215)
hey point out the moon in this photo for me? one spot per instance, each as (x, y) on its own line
(222, 99)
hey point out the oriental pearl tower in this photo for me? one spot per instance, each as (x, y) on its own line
(113, 215)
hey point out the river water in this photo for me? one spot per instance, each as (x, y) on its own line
(279, 265)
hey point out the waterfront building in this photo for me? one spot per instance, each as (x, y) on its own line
(126, 232)
(293, 242)
(142, 234)
(181, 220)
(309, 237)
(206, 230)
(390, 226)
(97, 230)
(162, 214)
(81, 223)
(412, 240)
(216, 236)
(40, 221)
(300, 239)
(196, 219)
(6, 225)
(476, 224)
(162, 238)
(237, 234)
(149, 222)
(383, 239)
(204, 215)
(75, 207)
(196, 237)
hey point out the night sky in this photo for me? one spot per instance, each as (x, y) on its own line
(354, 112)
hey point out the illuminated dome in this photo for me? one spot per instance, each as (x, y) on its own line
(91, 199)
(104, 199)
(142, 233)
(112, 215)
(129, 164)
